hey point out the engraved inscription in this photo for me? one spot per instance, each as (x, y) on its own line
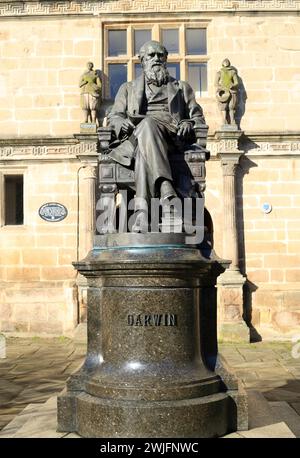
(152, 319)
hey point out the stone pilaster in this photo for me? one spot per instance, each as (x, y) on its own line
(231, 326)
(89, 179)
(87, 176)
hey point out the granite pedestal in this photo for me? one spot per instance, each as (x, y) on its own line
(152, 347)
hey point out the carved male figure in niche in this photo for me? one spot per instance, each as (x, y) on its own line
(91, 86)
(226, 83)
(153, 117)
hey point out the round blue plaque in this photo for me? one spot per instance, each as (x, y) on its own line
(266, 207)
(53, 212)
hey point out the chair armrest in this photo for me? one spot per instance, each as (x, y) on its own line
(104, 137)
(201, 134)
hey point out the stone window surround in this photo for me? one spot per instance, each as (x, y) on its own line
(12, 170)
(130, 25)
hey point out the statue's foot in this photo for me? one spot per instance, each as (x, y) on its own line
(167, 192)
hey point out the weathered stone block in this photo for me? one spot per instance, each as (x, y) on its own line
(22, 273)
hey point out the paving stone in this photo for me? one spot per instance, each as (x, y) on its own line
(269, 374)
(259, 365)
(39, 427)
(259, 410)
(232, 436)
(277, 430)
(6, 418)
(72, 436)
(296, 406)
(247, 375)
(19, 420)
(40, 368)
(295, 373)
(9, 391)
(287, 414)
(289, 392)
(234, 360)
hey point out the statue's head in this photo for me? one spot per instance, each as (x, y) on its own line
(153, 57)
(226, 63)
(90, 65)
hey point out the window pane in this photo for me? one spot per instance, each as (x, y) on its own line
(137, 70)
(196, 41)
(13, 189)
(117, 42)
(170, 40)
(197, 77)
(141, 37)
(174, 69)
(117, 74)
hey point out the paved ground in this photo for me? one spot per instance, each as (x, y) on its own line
(36, 369)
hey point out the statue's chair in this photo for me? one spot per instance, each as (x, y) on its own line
(188, 170)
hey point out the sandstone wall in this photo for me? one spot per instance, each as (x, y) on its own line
(44, 47)
(42, 60)
(269, 244)
(38, 292)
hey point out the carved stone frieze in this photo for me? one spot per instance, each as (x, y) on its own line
(39, 152)
(256, 148)
(42, 8)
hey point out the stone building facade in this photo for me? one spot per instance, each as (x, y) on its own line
(44, 47)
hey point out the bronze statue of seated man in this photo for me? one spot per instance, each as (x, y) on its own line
(152, 117)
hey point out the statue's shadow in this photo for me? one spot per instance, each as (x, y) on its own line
(241, 101)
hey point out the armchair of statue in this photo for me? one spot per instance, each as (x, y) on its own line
(188, 167)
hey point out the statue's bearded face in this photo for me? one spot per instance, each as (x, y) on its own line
(154, 64)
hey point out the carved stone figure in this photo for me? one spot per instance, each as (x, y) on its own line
(226, 83)
(91, 85)
(153, 117)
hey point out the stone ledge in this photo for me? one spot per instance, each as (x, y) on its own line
(44, 140)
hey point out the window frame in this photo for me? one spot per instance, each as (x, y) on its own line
(130, 59)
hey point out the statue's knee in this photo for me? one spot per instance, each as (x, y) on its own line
(147, 127)
(149, 123)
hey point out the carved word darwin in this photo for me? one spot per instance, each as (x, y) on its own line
(152, 319)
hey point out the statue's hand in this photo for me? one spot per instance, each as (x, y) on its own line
(127, 127)
(185, 129)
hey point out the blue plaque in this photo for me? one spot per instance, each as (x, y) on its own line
(53, 212)
(266, 207)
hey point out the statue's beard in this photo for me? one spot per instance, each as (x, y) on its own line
(156, 74)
